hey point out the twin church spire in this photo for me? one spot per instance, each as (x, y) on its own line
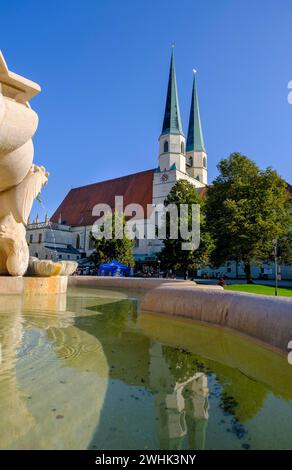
(188, 157)
(195, 139)
(172, 119)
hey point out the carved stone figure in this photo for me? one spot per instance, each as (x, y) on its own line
(20, 180)
(48, 268)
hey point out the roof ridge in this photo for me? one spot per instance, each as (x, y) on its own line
(112, 179)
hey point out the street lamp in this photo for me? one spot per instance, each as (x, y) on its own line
(275, 245)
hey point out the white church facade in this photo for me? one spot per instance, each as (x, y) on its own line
(67, 234)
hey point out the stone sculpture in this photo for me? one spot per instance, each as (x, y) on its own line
(20, 180)
(48, 268)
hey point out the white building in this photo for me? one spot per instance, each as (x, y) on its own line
(51, 241)
(178, 158)
(67, 236)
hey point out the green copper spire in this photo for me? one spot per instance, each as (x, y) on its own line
(195, 140)
(172, 119)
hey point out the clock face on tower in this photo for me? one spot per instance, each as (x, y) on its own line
(164, 178)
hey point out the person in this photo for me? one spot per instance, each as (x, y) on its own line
(221, 282)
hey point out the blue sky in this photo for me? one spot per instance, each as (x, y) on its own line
(103, 68)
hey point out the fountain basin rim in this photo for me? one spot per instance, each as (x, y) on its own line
(261, 317)
(28, 285)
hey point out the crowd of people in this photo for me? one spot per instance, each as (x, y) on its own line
(152, 271)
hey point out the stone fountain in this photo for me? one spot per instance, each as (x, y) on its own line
(20, 182)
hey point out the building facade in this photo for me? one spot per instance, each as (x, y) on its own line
(68, 231)
(53, 241)
(67, 234)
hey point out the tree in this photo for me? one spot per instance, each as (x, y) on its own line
(113, 249)
(246, 209)
(172, 254)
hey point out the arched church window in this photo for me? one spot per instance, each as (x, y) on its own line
(165, 148)
(182, 147)
(91, 243)
(205, 162)
(78, 241)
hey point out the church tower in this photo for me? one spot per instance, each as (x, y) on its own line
(172, 140)
(196, 156)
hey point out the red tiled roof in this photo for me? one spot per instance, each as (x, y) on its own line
(202, 191)
(76, 209)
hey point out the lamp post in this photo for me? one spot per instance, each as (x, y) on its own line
(159, 267)
(275, 244)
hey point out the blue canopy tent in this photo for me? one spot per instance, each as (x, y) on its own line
(114, 268)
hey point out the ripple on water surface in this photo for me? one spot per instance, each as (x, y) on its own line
(91, 371)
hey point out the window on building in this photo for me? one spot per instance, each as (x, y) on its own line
(182, 147)
(156, 220)
(46, 256)
(36, 255)
(77, 257)
(30, 238)
(205, 162)
(68, 257)
(191, 161)
(78, 241)
(60, 256)
(165, 148)
(198, 178)
(136, 242)
(40, 237)
(91, 244)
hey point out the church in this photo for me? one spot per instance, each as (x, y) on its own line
(178, 158)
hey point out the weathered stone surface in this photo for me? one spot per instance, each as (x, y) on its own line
(20, 180)
(45, 285)
(266, 318)
(126, 282)
(68, 268)
(33, 286)
(44, 268)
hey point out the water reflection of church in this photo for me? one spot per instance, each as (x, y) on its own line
(180, 395)
(181, 406)
(105, 342)
(90, 372)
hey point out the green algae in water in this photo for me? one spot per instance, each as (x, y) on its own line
(92, 372)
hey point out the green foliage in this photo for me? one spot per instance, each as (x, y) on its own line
(172, 255)
(113, 249)
(246, 209)
(183, 365)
